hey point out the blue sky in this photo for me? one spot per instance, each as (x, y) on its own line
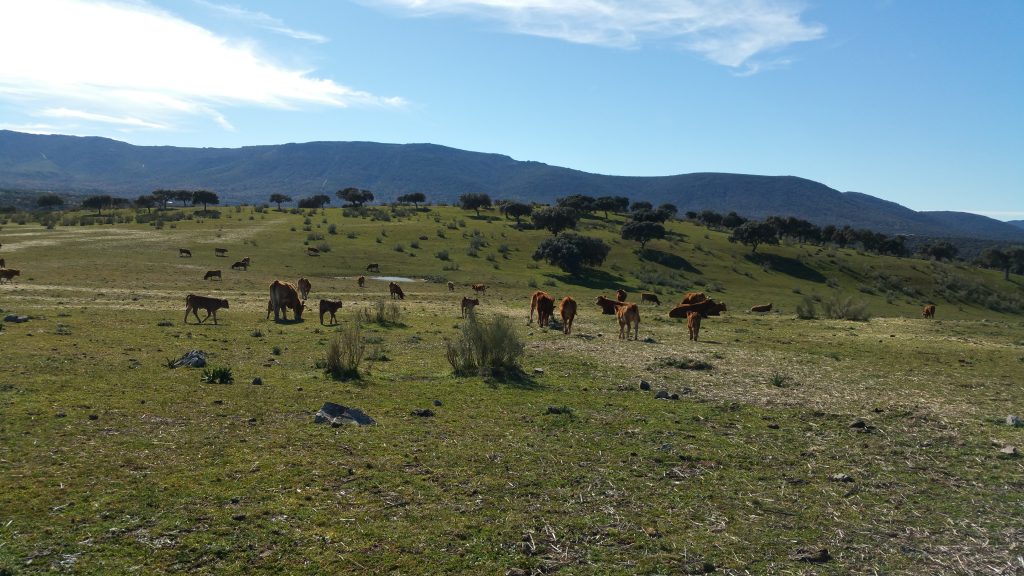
(920, 103)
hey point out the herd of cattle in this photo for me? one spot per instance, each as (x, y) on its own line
(284, 296)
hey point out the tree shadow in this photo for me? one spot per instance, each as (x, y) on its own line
(667, 259)
(593, 279)
(789, 266)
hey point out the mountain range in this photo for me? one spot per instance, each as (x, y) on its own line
(75, 164)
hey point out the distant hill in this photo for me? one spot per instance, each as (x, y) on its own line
(1017, 223)
(252, 173)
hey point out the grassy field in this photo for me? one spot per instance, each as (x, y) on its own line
(879, 441)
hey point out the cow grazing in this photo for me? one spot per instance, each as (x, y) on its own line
(628, 314)
(282, 297)
(620, 295)
(648, 297)
(331, 306)
(468, 304)
(608, 306)
(184, 253)
(373, 267)
(567, 310)
(247, 260)
(304, 287)
(240, 265)
(929, 311)
(211, 305)
(220, 251)
(8, 274)
(212, 274)
(693, 324)
(451, 286)
(706, 307)
(544, 304)
(312, 251)
(480, 288)
(693, 298)
(761, 308)
(396, 291)
(361, 281)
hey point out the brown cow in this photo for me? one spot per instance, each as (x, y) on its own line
(468, 304)
(361, 281)
(331, 306)
(693, 298)
(304, 287)
(451, 286)
(373, 267)
(648, 297)
(312, 251)
(620, 295)
(212, 274)
(8, 274)
(211, 305)
(693, 324)
(282, 297)
(929, 311)
(704, 307)
(184, 252)
(628, 314)
(544, 304)
(608, 306)
(220, 251)
(241, 264)
(567, 310)
(481, 288)
(396, 291)
(761, 308)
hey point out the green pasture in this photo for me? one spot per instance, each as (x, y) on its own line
(880, 441)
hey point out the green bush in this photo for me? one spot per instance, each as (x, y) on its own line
(345, 353)
(805, 310)
(837, 308)
(382, 313)
(486, 348)
(221, 375)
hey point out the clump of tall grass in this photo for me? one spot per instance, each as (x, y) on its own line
(806, 310)
(345, 353)
(380, 312)
(490, 347)
(847, 308)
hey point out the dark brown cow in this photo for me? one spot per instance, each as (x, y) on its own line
(451, 286)
(8, 274)
(693, 324)
(220, 251)
(468, 304)
(241, 264)
(184, 252)
(544, 304)
(481, 288)
(628, 314)
(704, 307)
(2, 263)
(620, 295)
(761, 308)
(361, 281)
(648, 297)
(329, 306)
(211, 305)
(929, 311)
(373, 267)
(608, 306)
(304, 287)
(567, 310)
(396, 291)
(282, 297)
(212, 274)
(247, 260)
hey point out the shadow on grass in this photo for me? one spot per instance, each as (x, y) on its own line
(789, 266)
(593, 279)
(517, 379)
(667, 259)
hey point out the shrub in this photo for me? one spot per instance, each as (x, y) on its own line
(332, 229)
(779, 380)
(805, 309)
(442, 255)
(682, 364)
(345, 353)
(486, 348)
(221, 375)
(381, 313)
(323, 247)
(415, 244)
(352, 235)
(399, 248)
(846, 309)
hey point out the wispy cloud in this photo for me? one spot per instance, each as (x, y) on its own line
(139, 67)
(262, 20)
(731, 33)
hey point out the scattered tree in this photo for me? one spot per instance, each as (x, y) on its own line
(163, 197)
(413, 198)
(317, 201)
(183, 196)
(578, 202)
(942, 250)
(642, 232)
(733, 220)
(555, 218)
(280, 199)
(98, 202)
(517, 210)
(49, 201)
(355, 196)
(649, 216)
(754, 234)
(205, 197)
(571, 252)
(640, 205)
(997, 259)
(474, 202)
(669, 209)
(147, 201)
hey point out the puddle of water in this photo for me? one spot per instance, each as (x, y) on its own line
(394, 279)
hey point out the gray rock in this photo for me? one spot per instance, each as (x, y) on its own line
(662, 395)
(423, 412)
(437, 403)
(16, 318)
(645, 385)
(1014, 420)
(192, 358)
(257, 381)
(840, 477)
(538, 370)
(1008, 450)
(338, 415)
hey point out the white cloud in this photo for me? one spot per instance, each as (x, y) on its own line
(263, 21)
(139, 67)
(729, 32)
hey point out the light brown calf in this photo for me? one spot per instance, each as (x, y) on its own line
(761, 308)
(567, 310)
(480, 288)
(304, 287)
(628, 314)
(648, 297)
(693, 324)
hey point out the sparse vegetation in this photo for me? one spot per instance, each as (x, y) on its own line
(486, 347)
(345, 353)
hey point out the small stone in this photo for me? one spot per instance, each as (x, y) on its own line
(645, 385)
(252, 420)
(239, 517)
(235, 500)
(674, 396)
(661, 395)
(815, 556)
(60, 415)
(298, 388)
(1009, 450)
(538, 370)
(423, 412)
(840, 477)
(437, 403)
(1014, 420)
(858, 423)
(94, 417)
(257, 381)
(774, 426)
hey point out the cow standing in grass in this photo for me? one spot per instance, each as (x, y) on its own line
(212, 274)
(304, 287)
(329, 307)
(544, 305)
(929, 311)
(567, 310)
(211, 305)
(468, 305)
(396, 291)
(282, 297)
